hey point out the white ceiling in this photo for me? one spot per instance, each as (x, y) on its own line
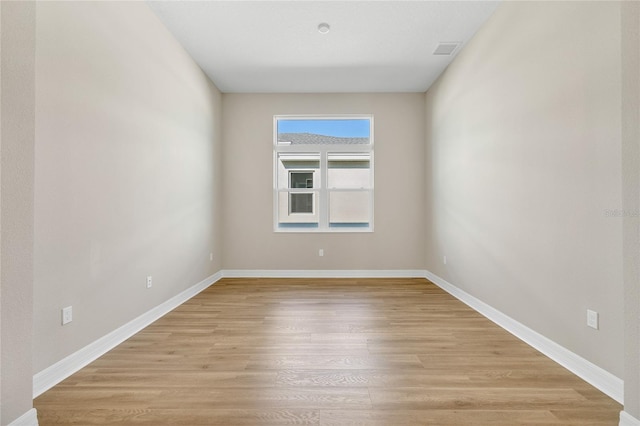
(275, 46)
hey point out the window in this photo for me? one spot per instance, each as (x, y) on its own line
(323, 174)
(300, 203)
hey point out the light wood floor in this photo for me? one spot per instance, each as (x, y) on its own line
(324, 352)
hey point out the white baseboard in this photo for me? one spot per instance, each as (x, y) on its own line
(62, 369)
(596, 376)
(627, 419)
(316, 273)
(591, 373)
(30, 418)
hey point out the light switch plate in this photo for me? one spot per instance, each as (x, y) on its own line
(592, 319)
(67, 315)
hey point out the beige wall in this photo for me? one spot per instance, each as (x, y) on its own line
(523, 161)
(630, 14)
(127, 171)
(249, 239)
(16, 206)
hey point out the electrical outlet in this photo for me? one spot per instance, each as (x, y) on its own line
(592, 319)
(444, 259)
(321, 252)
(67, 315)
(149, 281)
(210, 257)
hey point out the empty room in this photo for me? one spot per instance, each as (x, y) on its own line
(320, 213)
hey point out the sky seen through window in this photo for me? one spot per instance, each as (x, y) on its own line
(346, 128)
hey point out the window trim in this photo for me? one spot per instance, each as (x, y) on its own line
(321, 186)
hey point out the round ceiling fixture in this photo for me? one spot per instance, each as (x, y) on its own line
(323, 28)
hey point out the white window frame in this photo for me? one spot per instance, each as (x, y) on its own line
(322, 206)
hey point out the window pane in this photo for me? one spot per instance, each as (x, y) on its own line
(349, 171)
(324, 131)
(301, 179)
(349, 207)
(300, 203)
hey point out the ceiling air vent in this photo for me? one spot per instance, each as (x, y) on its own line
(446, 48)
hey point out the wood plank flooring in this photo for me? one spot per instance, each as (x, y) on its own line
(324, 352)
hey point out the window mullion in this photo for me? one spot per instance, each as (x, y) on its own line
(324, 196)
